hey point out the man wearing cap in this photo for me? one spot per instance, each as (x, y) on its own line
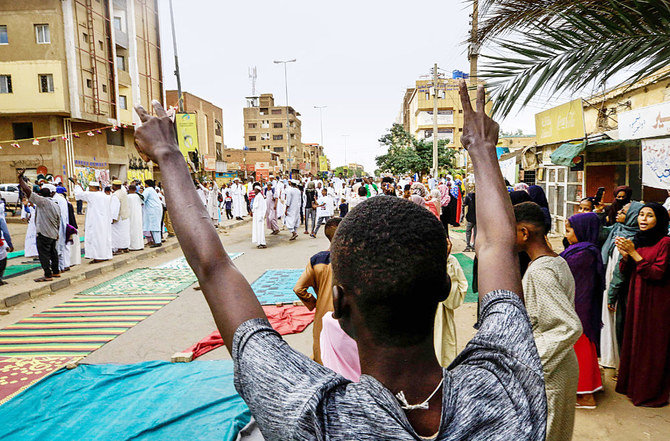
(237, 191)
(135, 219)
(259, 210)
(98, 225)
(120, 218)
(293, 204)
(47, 224)
(61, 245)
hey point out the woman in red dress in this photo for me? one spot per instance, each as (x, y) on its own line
(644, 371)
(586, 264)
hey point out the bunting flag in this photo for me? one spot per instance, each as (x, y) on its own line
(16, 143)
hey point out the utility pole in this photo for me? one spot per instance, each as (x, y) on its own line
(346, 166)
(288, 123)
(473, 48)
(321, 120)
(435, 128)
(176, 62)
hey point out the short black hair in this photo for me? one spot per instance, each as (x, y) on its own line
(362, 191)
(529, 213)
(331, 227)
(398, 306)
(149, 183)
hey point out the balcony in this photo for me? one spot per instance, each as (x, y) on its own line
(121, 39)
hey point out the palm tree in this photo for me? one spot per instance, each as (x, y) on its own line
(561, 45)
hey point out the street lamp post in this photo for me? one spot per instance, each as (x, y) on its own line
(321, 124)
(346, 168)
(288, 123)
(180, 98)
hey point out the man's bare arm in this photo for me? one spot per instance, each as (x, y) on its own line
(230, 298)
(24, 186)
(496, 225)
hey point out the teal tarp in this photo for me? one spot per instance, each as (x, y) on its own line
(154, 400)
(567, 152)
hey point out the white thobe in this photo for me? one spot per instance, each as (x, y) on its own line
(30, 244)
(120, 226)
(293, 198)
(213, 203)
(258, 208)
(135, 222)
(98, 225)
(63, 255)
(74, 249)
(153, 211)
(280, 191)
(202, 193)
(239, 205)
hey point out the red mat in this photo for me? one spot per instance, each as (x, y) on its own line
(284, 319)
(19, 373)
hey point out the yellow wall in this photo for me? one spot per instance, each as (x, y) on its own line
(26, 96)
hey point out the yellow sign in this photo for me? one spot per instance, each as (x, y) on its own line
(140, 175)
(561, 123)
(323, 163)
(187, 133)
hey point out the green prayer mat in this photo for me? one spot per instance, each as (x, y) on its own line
(145, 281)
(17, 270)
(467, 264)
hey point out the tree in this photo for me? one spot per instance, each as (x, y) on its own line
(349, 171)
(406, 154)
(563, 46)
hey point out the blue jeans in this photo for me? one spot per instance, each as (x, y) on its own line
(310, 213)
(319, 221)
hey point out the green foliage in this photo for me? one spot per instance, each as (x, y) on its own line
(406, 154)
(348, 172)
(565, 46)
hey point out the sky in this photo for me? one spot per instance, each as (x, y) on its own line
(355, 57)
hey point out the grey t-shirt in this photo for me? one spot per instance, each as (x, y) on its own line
(494, 390)
(47, 212)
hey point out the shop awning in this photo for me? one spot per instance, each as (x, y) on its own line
(567, 152)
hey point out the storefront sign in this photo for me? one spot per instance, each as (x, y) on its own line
(209, 162)
(646, 122)
(508, 168)
(656, 163)
(187, 133)
(561, 123)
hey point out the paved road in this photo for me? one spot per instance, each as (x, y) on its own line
(187, 319)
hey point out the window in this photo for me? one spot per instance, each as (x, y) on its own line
(89, 83)
(276, 111)
(42, 34)
(117, 24)
(85, 37)
(218, 128)
(277, 137)
(46, 83)
(252, 125)
(123, 102)
(278, 149)
(5, 84)
(23, 130)
(252, 149)
(104, 88)
(277, 125)
(100, 43)
(115, 138)
(4, 39)
(252, 138)
(121, 62)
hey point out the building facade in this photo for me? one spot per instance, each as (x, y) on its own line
(209, 121)
(250, 164)
(265, 131)
(70, 73)
(417, 113)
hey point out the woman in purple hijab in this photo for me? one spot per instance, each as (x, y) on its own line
(586, 265)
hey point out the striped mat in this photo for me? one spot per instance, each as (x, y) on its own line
(77, 327)
(145, 281)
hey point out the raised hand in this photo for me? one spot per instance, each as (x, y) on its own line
(156, 138)
(479, 130)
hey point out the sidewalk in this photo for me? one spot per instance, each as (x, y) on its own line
(23, 287)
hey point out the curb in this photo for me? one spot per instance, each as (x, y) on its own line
(131, 258)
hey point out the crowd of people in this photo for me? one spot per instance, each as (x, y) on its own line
(120, 218)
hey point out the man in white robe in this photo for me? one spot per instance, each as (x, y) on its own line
(98, 226)
(280, 194)
(152, 213)
(120, 219)
(238, 191)
(30, 243)
(293, 203)
(258, 208)
(135, 219)
(61, 244)
(213, 203)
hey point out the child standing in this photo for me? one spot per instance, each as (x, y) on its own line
(228, 200)
(344, 207)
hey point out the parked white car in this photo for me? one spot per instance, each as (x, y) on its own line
(10, 193)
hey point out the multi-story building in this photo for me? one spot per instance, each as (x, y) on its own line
(70, 70)
(209, 121)
(311, 153)
(417, 112)
(265, 130)
(251, 164)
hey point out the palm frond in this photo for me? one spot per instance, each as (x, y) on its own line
(581, 46)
